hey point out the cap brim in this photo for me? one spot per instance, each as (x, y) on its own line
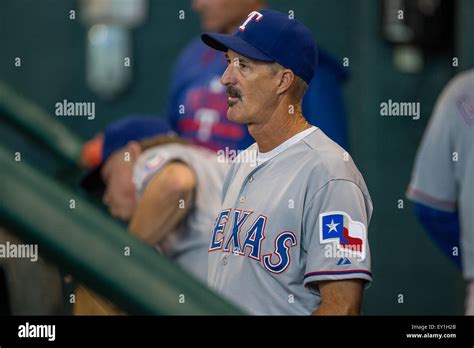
(223, 42)
(92, 182)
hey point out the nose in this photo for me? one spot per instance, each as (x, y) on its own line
(228, 77)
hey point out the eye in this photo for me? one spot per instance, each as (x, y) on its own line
(236, 62)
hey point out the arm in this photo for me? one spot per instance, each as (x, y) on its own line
(340, 297)
(166, 201)
(340, 288)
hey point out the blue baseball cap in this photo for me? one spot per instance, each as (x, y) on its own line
(132, 128)
(117, 135)
(271, 36)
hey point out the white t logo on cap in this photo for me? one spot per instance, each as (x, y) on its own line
(252, 15)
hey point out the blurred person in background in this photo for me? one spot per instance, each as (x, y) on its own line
(167, 190)
(198, 103)
(442, 184)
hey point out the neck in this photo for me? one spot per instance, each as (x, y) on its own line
(278, 128)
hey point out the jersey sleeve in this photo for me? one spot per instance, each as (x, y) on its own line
(152, 161)
(433, 181)
(335, 233)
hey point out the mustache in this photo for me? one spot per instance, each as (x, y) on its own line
(233, 92)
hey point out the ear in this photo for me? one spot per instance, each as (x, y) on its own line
(135, 149)
(286, 80)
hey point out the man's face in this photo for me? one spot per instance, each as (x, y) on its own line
(251, 87)
(119, 195)
(223, 15)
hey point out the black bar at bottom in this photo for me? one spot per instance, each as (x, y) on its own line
(135, 330)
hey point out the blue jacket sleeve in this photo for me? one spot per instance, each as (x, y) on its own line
(443, 228)
(323, 103)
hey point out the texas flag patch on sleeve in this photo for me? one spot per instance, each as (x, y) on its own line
(348, 235)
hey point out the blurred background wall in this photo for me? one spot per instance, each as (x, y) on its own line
(405, 261)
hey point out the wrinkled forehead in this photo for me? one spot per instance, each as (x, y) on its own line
(234, 55)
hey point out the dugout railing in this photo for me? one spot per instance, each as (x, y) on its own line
(73, 233)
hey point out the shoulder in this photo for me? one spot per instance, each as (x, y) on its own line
(163, 151)
(328, 161)
(187, 153)
(456, 100)
(171, 148)
(462, 81)
(458, 86)
(153, 160)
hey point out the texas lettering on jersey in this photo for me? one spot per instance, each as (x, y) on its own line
(276, 262)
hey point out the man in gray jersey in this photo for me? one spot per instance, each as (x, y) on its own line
(442, 184)
(291, 236)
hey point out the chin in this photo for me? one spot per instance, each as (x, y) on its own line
(119, 213)
(124, 216)
(235, 116)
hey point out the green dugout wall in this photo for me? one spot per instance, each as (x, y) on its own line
(96, 249)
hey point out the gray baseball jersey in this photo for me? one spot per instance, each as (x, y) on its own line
(296, 219)
(188, 244)
(443, 176)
